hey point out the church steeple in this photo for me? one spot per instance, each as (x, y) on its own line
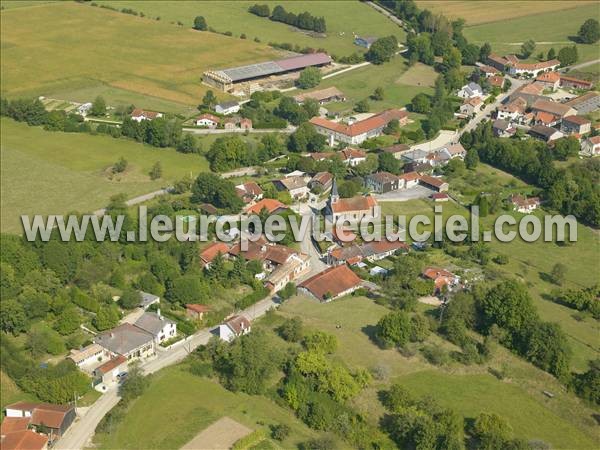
(334, 196)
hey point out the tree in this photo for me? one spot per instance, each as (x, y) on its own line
(362, 106)
(589, 33)
(106, 318)
(484, 52)
(130, 298)
(309, 78)
(12, 316)
(291, 330)
(120, 166)
(388, 163)
(209, 100)
(306, 139)
(491, 431)
(527, 48)
(393, 329)
(378, 94)
(566, 147)
(227, 153)
(559, 272)
(470, 54)
(135, 384)
(421, 103)
(551, 54)
(568, 55)
(382, 50)
(471, 159)
(452, 59)
(419, 328)
(156, 171)
(320, 341)
(98, 107)
(188, 144)
(200, 23)
(68, 321)
(280, 431)
(260, 10)
(547, 348)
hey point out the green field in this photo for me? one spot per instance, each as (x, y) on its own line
(68, 171)
(549, 29)
(341, 18)
(477, 12)
(85, 51)
(468, 389)
(178, 405)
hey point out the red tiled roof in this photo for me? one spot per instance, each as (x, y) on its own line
(270, 204)
(410, 176)
(439, 276)
(360, 127)
(142, 113)
(488, 69)
(334, 281)
(432, 181)
(197, 308)
(358, 203)
(50, 415)
(579, 120)
(298, 62)
(439, 195)
(238, 324)
(112, 364)
(545, 117)
(211, 252)
(13, 424)
(538, 65)
(496, 81)
(24, 440)
(209, 117)
(548, 77)
(322, 177)
(350, 152)
(555, 108)
(576, 81)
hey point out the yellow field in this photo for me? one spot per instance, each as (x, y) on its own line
(56, 49)
(476, 12)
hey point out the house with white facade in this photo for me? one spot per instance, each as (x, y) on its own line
(227, 108)
(139, 114)
(470, 90)
(234, 327)
(160, 327)
(591, 146)
(207, 120)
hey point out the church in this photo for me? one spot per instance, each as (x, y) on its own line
(350, 209)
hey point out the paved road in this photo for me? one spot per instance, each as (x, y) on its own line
(443, 138)
(81, 431)
(139, 199)
(242, 172)
(386, 13)
(288, 130)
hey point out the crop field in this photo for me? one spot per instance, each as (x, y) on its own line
(191, 403)
(70, 170)
(470, 390)
(128, 59)
(477, 12)
(549, 29)
(233, 16)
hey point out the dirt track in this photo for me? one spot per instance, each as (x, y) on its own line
(221, 434)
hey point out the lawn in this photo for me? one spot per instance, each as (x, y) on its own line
(399, 84)
(549, 29)
(10, 392)
(178, 405)
(341, 18)
(564, 422)
(85, 51)
(477, 12)
(69, 171)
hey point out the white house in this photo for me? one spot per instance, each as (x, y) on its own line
(234, 327)
(88, 356)
(297, 186)
(207, 120)
(139, 114)
(227, 108)
(83, 109)
(525, 205)
(157, 325)
(591, 146)
(470, 90)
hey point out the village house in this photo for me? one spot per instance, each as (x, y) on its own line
(327, 95)
(296, 186)
(207, 120)
(139, 114)
(382, 182)
(230, 124)
(515, 67)
(56, 418)
(147, 299)
(503, 128)
(127, 340)
(108, 372)
(160, 327)
(321, 180)
(523, 204)
(370, 251)
(528, 92)
(410, 179)
(415, 156)
(397, 150)
(355, 133)
(546, 119)
(550, 80)
(14, 435)
(470, 90)
(488, 71)
(514, 110)
(227, 108)
(559, 110)
(364, 41)
(442, 279)
(270, 255)
(270, 205)
(352, 156)
(332, 283)
(591, 146)
(196, 311)
(574, 83)
(546, 134)
(245, 124)
(455, 150)
(89, 356)
(296, 265)
(576, 125)
(234, 327)
(586, 103)
(437, 184)
(84, 109)
(351, 209)
(471, 105)
(440, 197)
(321, 156)
(210, 252)
(497, 82)
(249, 192)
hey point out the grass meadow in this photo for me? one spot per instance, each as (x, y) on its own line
(548, 29)
(478, 12)
(341, 18)
(85, 51)
(564, 422)
(69, 171)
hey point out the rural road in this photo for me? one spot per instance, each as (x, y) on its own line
(288, 130)
(139, 199)
(580, 65)
(386, 13)
(81, 431)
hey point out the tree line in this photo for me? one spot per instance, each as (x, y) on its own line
(304, 20)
